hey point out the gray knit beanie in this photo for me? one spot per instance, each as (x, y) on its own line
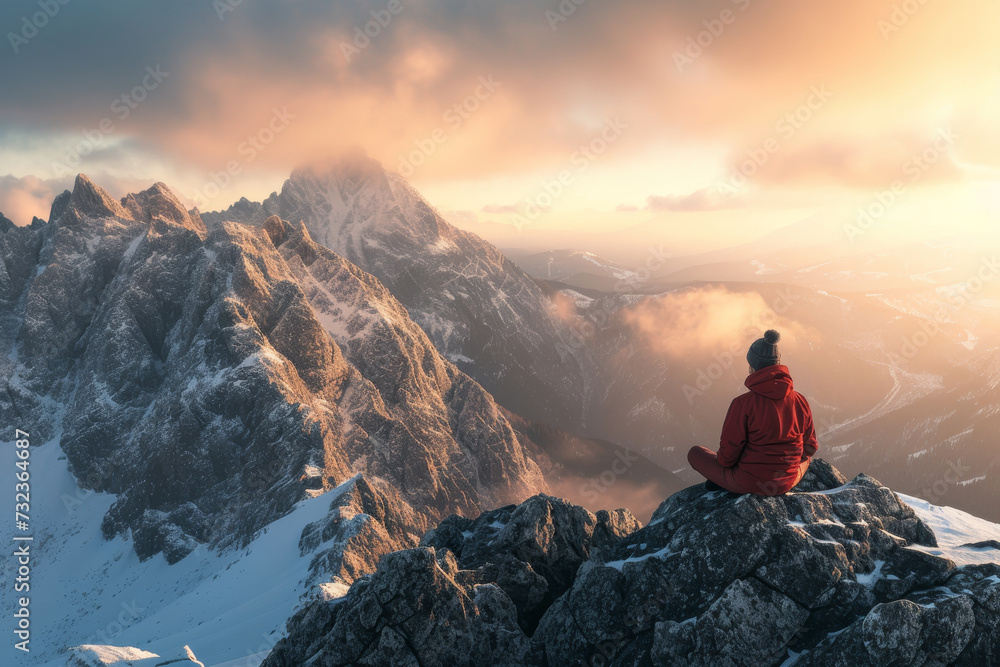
(764, 352)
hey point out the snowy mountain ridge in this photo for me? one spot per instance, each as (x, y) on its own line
(478, 308)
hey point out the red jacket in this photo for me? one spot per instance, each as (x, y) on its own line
(769, 430)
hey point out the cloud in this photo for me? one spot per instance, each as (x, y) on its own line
(706, 199)
(868, 162)
(626, 208)
(22, 198)
(500, 208)
(698, 323)
(411, 82)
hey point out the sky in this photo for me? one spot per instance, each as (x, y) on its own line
(717, 122)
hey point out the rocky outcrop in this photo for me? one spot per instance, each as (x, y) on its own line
(410, 611)
(532, 550)
(834, 573)
(366, 521)
(473, 591)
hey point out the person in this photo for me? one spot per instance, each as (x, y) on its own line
(768, 437)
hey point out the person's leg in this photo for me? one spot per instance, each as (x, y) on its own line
(803, 467)
(777, 487)
(706, 462)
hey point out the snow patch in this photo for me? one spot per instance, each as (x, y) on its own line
(954, 530)
(620, 564)
(869, 579)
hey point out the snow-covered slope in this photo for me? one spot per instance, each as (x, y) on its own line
(961, 537)
(88, 590)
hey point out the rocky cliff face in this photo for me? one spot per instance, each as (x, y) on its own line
(213, 380)
(479, 309)
(835, 573)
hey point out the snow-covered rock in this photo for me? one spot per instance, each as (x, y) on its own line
(96, 655)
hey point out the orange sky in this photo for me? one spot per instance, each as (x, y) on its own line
(831, 103)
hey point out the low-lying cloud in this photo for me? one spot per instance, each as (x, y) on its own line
(694, 323)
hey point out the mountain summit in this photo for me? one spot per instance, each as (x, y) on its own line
(480, 310)
(834, 573)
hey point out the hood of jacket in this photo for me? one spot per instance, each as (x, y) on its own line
(773, 382)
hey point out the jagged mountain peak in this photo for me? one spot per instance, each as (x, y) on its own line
(159, 202)
(349, 202)
(89, 200)
(480, 310)
(146, 329)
